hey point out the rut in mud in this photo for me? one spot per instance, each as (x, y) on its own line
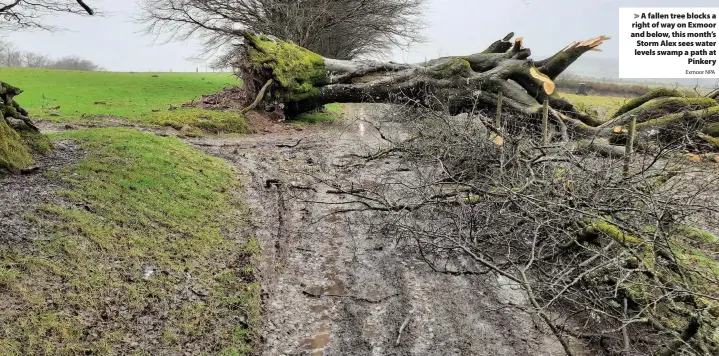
(334, 286)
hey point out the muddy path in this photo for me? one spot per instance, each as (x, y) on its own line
(331, 286)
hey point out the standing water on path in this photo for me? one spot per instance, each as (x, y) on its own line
(332, 285)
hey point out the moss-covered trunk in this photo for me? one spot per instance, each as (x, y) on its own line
(19, 137)
(303, 81)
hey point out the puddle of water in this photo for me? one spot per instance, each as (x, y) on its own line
(370, 333)
(319, 341)
(374, 295)
(321, 311)
(318, 309)
(337, 287)
(333, 218)
(315, 290)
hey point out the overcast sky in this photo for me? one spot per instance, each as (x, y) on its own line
(456, 27)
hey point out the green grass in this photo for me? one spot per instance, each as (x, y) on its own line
(126, 95)
(604, 105)
(199, 121)
(14, 154)
(142, 98)
(137, 203)
(328, 113)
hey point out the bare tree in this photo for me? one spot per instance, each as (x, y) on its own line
(337, 29)
(14, 58)
(4, 48)
(26, 14)
(35, 60)
(73, 63)
(10, 56)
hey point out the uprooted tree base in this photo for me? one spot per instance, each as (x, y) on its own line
(289, 80)
(19, 137)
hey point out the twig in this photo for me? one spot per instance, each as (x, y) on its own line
(533, 300)
(271, 182)
(238, 145)
(628, 149)
(362, 299)
(301, 187)
(401, 329)
(625, 333)
(352, 191)
(259, 97)
(290, 146)
(85, 7)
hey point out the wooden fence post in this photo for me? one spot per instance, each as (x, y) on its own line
(545, 124)
(498, 115)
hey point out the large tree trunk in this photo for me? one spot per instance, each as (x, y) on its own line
(293, 80)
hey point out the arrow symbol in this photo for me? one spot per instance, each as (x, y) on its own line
(636, 16)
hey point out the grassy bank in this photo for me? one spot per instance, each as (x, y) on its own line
(141, 98)
(127, 95)
(141, 255)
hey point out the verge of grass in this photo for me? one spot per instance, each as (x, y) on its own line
(328, 113)
(137, 257)
(195, 121)
(605, 105)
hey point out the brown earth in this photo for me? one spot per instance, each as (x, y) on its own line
(331, 283)
(334, 286)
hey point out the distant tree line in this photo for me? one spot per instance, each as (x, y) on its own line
(569, 83)
(10, 56)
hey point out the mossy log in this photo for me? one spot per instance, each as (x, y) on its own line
(304, 81)
(669, 281)
(19, 137)
(665, 116)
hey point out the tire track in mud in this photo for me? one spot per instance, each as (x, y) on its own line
(331, 286)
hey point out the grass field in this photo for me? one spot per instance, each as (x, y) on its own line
(140, 98)
(604, 105)
(124, 95)
(145, 229)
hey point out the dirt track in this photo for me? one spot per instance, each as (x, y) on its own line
(332, 287)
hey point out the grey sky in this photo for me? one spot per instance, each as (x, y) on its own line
(456, 27)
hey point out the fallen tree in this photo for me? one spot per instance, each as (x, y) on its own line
(284, 79)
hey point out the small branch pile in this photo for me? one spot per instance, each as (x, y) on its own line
(611, 251)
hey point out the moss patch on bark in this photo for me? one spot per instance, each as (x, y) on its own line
(296, 69)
